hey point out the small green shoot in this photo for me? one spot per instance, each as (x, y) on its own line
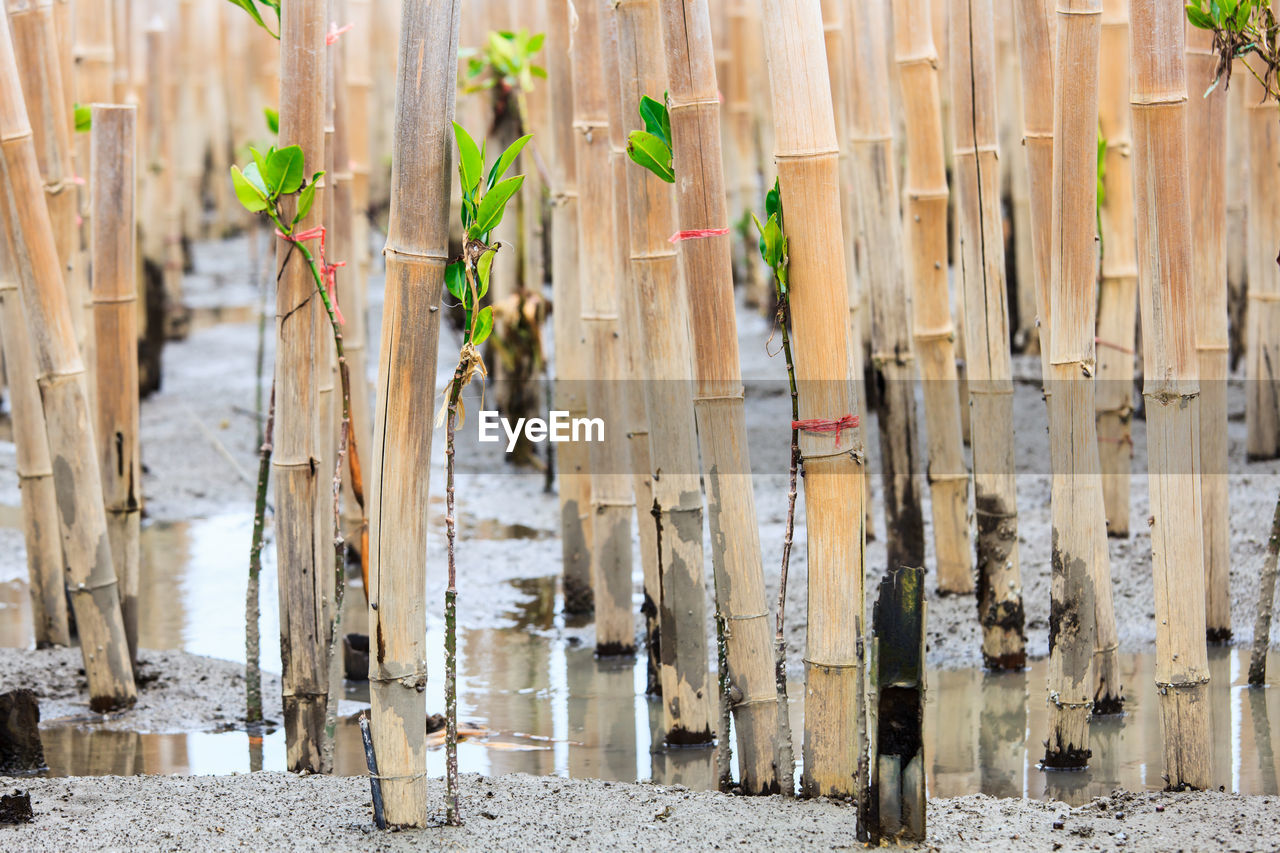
(651, 147)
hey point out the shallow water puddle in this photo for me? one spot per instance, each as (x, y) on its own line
(540, 703)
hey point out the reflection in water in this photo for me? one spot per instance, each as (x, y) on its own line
(547, 706)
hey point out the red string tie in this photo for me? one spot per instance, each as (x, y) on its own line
(1109, 345)
(697, 234)
(328, 271)
(331, 38)
(823, 425)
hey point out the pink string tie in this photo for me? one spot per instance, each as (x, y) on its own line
(331, 38)
(328, 271)
(824, 425)
(697, 234)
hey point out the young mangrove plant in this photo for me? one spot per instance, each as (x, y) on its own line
(659, 291)
(806, 149)
(773, 251)
(484, 202)
(706, 259)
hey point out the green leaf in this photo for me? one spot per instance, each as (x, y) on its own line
(538, 71)
(652, 153)
(250, 196)
(504, 162)
(305, 200)
(494, 204)
(83, 118)
(455, 279)
(535, 43)
(656, 119)
(273, 120)
(284, 170)
(484, 325)
(254, 176)
(248, 6)
(470, 160)
(1242, 15)
(483, 268)
(1198, 17)
(773, 201)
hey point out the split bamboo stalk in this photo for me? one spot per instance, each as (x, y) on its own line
(636, 414)
(612, 503)
(925, 236)
(986, 332)
(113, 256)
(94, 57)
(36, 45)
(1262, 343)
(1170, 385)
(1207, 136)
(416, 253)
(60, 373)
(298, 479)
(808, 169)
(570, 344)
(688, 696)
(707, 265)
(1037, 39)
(1076, 484)
(874, 172)
(1118, 291)
(35, 470)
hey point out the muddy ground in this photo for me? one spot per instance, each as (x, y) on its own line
(277, 811)
(199, 454)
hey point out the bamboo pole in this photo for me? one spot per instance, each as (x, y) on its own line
(35, 469)
(416, 254)
(1207, 136)
(122, 34)
(1076, 485)
(808, 169)
(36, 46)
(298, 477)
(1262, 344)
(612, 503)
(636, 415)
(94, 57)
(1036, 30)
(986, 332)
(570, 344)
(60, 374)
(687, 692)
(925, 237)
(874, 172)
(1170, 386)
(707, 265)
(1237, 214)
(1118, 291)
(113, 258)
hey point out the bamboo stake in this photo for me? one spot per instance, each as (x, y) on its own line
(161, 226)
(612, 504)
(36, 45)
(1118, 291)
(707, 265)
(925, 236)
(1262, 345)
(1237, 214)
(35, 470)
(294, 461)
(60, 374)
(94, 57)
(1037, 40)
(687, 694)
(1076, 487)
(874, 169)
(808, 169)
(986, 332)
(1207, 135)
(416, 253)
(122, 34)
(1171, 386)
(114, 263)
(637, 417)
(1266, 605)
(570, 344)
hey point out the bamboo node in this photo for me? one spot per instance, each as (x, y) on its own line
(989, 514)
(1163, 687)
(811, 662)
(87, 587)
(805, 155)
(604, 318)
(412, 777)
(978, 149)
(1255, 296)
(416, 680)
(708, 398)
(746, 618)
(1111, 345)
(427, 258)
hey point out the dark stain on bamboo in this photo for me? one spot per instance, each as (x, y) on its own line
(895, 408)
(997, 535)
(578, 597)
(64, 482)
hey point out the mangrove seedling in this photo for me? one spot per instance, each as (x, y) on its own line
(773, 250)
(651, 147)
(484, 202)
